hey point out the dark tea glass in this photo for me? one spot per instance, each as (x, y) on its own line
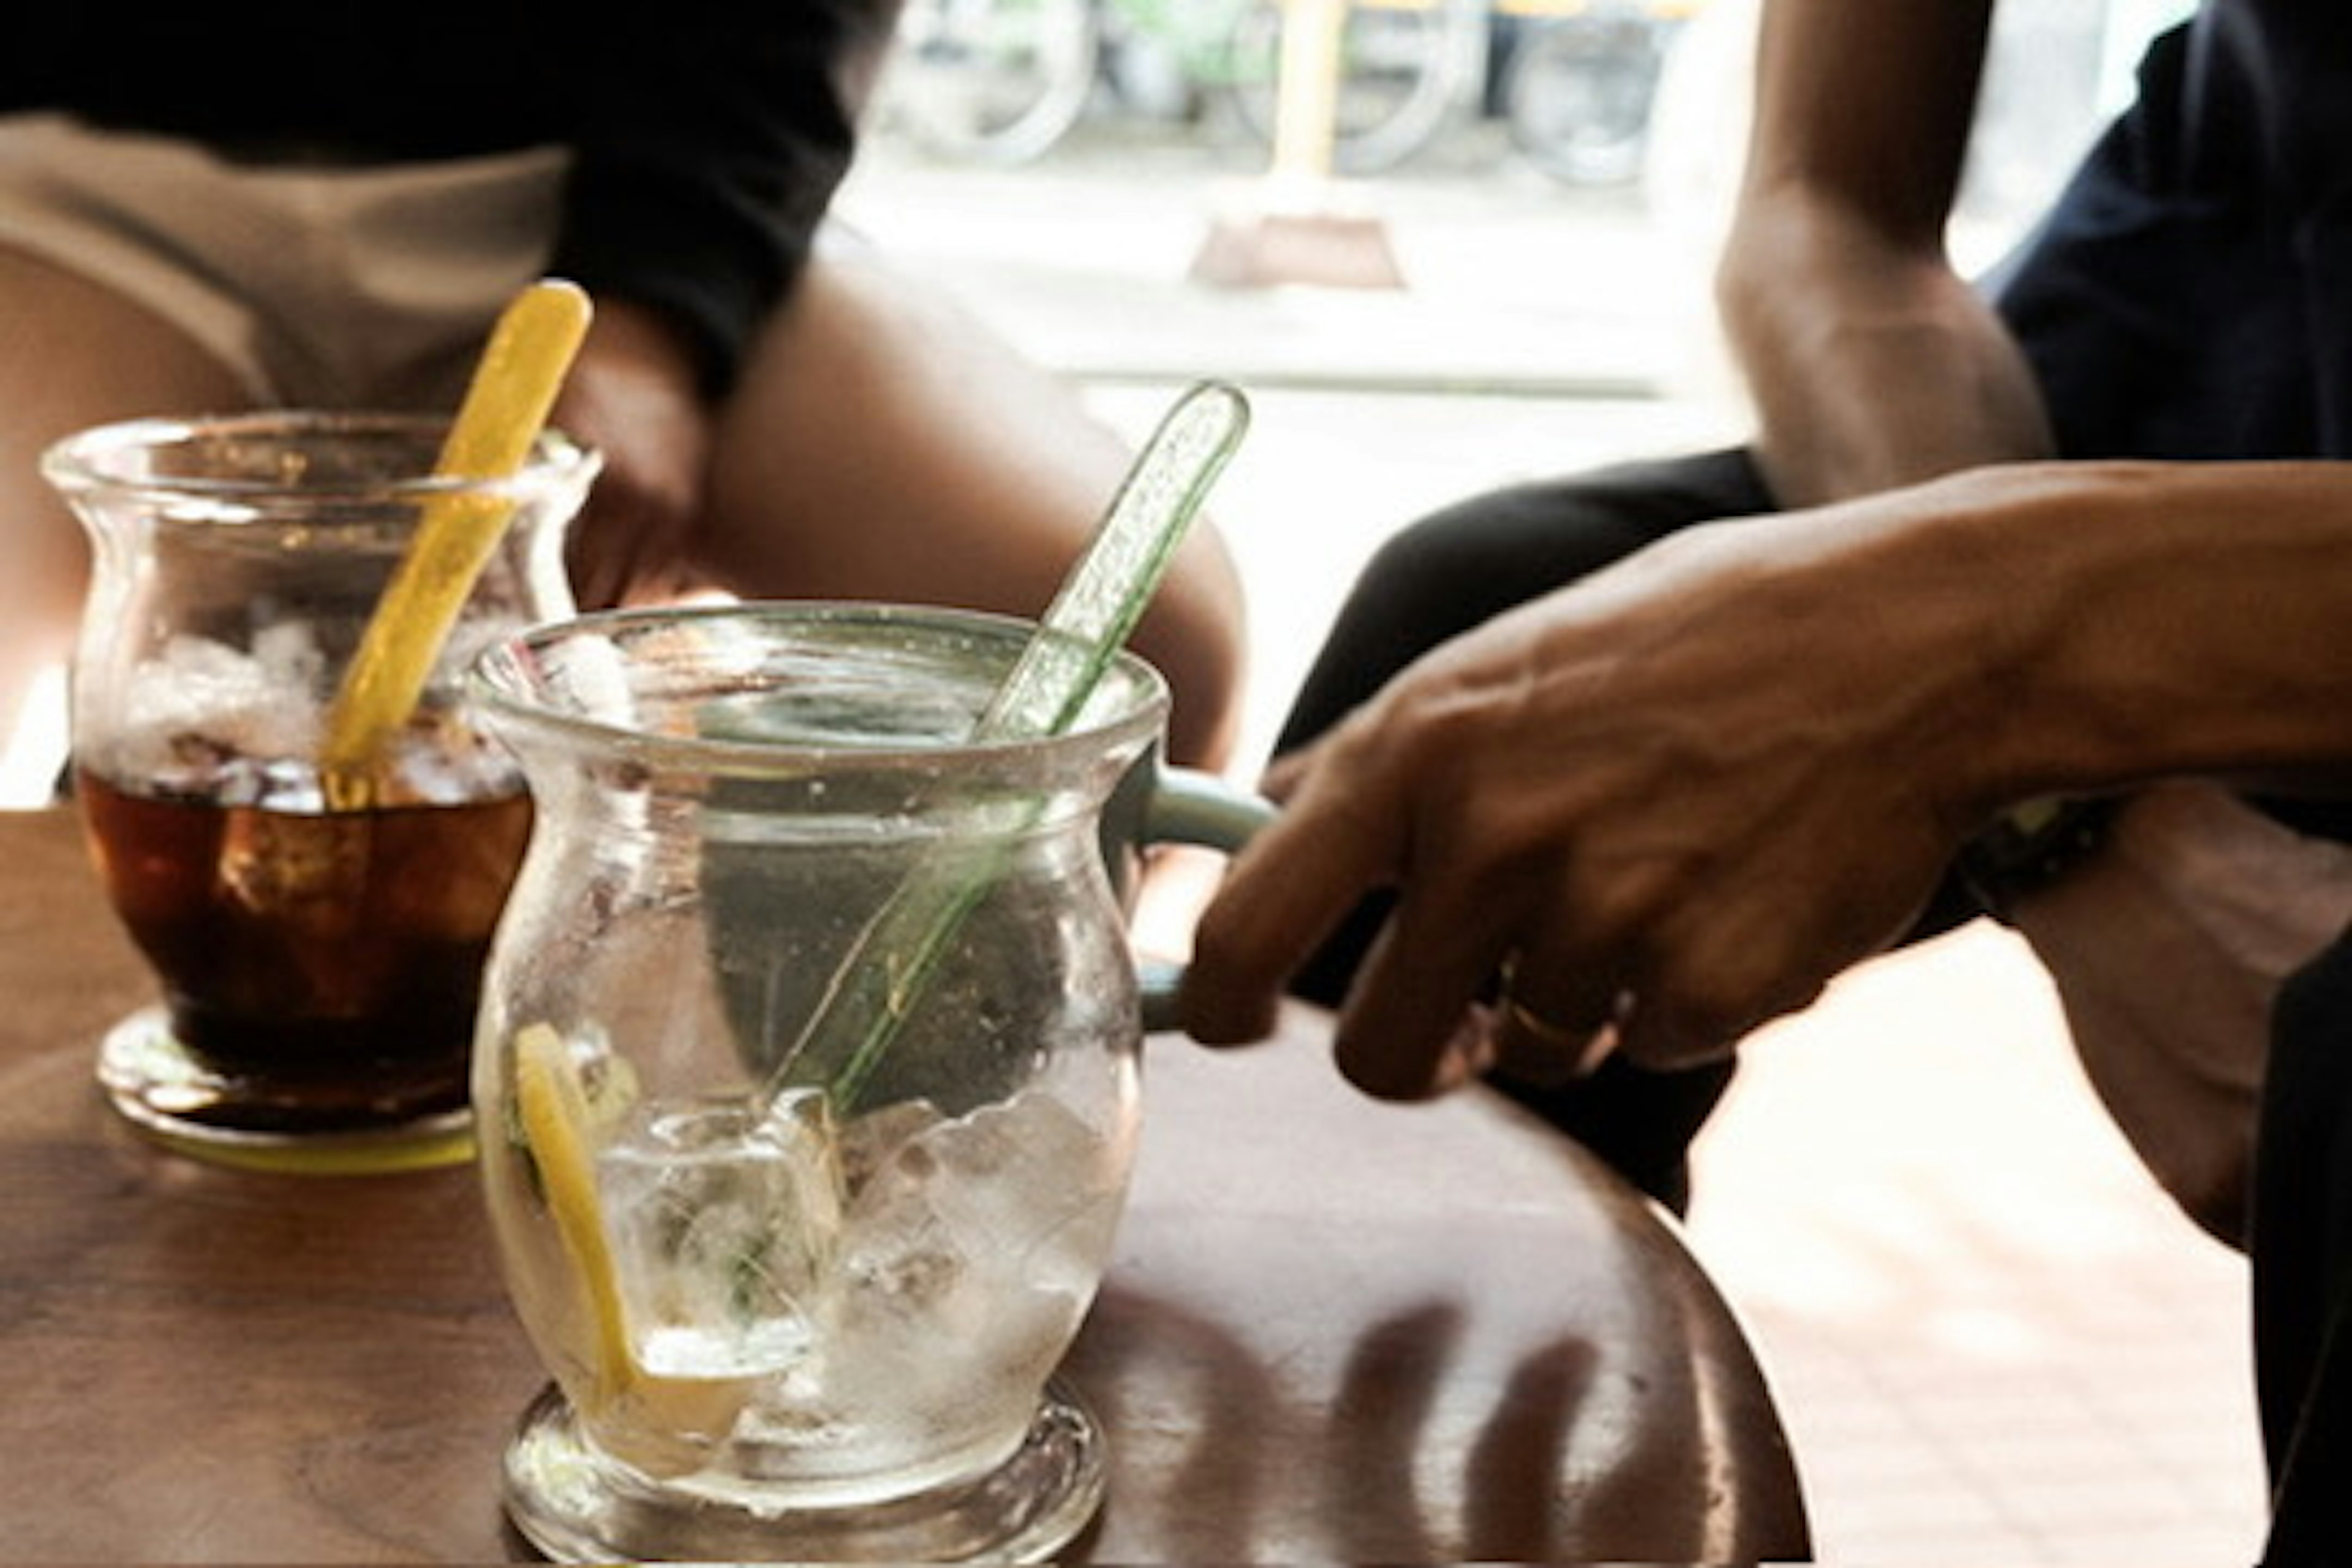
(318, 963)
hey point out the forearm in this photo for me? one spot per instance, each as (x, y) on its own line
(2167, 948)
(1680, 794)
(1869, 362)
(2149, 621)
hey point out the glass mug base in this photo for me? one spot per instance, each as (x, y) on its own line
(576, 1505)
(177, 1100)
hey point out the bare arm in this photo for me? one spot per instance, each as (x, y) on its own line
(2168, 948)
(1871, 363)
(883, 445)
(886, 444)
(1689, 792)
(632, 395)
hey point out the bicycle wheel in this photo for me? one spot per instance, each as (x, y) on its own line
(1404, 66)
(1576, 95)
(991, 81)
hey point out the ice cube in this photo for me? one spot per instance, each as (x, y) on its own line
(867, 1143)
(1026, 1182)
(243, 704)
(447, 868)
(288, 784)
(989, 1231)
(288, 658)
(308, 870)
(723, 1224)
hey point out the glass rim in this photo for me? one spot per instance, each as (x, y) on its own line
(487, 684)
(93, 460)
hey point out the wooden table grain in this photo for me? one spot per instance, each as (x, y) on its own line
(1334, 1331)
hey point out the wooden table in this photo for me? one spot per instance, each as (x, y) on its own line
(1335, 1330)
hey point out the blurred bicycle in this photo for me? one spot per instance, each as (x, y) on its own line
(1575, 81)
(1003, 82)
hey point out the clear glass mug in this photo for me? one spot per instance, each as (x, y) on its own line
(807, 1079)
(319, 967)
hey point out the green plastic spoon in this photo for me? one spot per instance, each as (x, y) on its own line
(1097, 606)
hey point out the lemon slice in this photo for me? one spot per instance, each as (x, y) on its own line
(662, 1425)
(552, 1106)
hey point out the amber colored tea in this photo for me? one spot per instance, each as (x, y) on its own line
(325, 964)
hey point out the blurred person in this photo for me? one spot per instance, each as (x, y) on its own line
(2029, 595)
(327, 207)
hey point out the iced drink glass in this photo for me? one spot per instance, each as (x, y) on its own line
(318, 959)
(808, 1083)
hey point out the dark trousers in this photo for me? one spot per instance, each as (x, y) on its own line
(2302, 1264)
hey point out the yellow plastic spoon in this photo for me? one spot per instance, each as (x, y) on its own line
(506, 406)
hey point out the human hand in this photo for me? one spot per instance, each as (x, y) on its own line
(1672, 801)
(2167, 948)
(632, 395)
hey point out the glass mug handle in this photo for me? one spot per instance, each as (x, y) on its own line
(1186, 806)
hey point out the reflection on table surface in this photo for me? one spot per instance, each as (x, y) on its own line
(1335, 1329)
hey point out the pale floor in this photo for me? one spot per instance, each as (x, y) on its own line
(1994, 1341)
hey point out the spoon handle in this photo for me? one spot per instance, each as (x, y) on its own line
(891, 961)
(1106, 592)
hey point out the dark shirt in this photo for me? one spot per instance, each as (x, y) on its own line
(2190, 295)
(709, 136)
